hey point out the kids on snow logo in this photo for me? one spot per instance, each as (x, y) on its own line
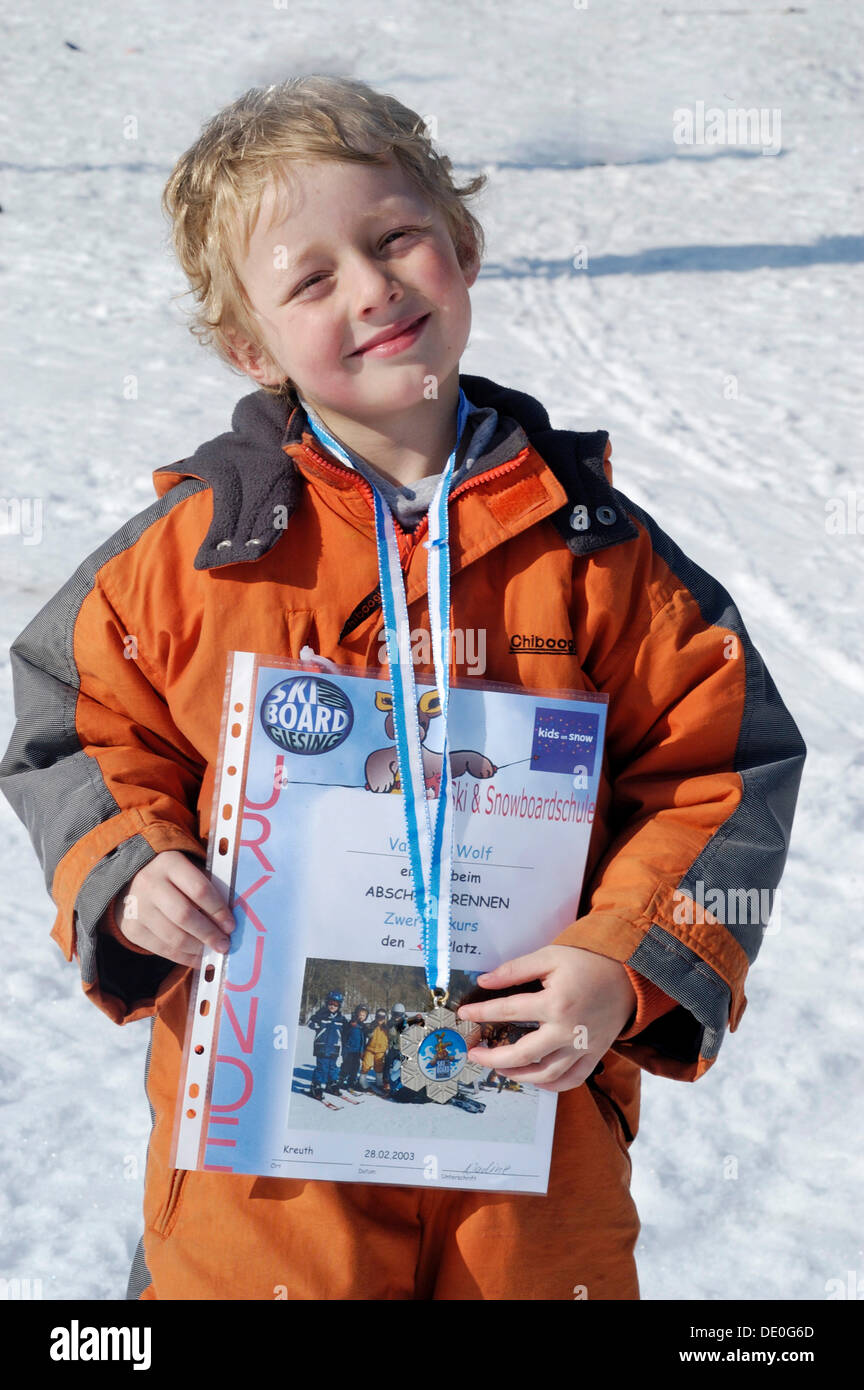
(564, 740)
(307, 715)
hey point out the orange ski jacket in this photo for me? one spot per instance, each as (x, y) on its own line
(262, 541)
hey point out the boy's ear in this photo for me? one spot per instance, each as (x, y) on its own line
(472, 270)
(469, 259)
(251, 359)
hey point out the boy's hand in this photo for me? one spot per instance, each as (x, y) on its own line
(173, 909)
(584, 1005)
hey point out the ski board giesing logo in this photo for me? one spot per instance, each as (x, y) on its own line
(442, 1055)
(307, 714)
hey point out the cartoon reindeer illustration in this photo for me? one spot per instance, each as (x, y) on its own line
(382, 766)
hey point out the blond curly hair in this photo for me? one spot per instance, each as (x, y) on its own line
(214, 193)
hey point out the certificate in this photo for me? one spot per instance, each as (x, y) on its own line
(302, 1055)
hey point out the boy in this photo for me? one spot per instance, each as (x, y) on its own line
(376, 1051)
(327, 1024)
(353, 1045)
(331, 257)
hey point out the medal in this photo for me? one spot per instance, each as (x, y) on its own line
(435, 1054)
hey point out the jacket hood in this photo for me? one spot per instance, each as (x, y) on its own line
(252, 476)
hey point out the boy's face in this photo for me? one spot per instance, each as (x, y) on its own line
(354, 250)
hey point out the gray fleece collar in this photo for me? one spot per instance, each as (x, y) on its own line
(256, 485)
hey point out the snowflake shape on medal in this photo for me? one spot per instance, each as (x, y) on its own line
(435, 1055)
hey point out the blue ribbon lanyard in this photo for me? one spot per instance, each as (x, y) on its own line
(430, 842)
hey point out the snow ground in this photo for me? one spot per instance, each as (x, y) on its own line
(704, 265)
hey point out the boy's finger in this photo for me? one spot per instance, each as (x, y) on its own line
(184, 916)
(532, 1050)
(518, 970)
(567, 1081)
(514, 1008)
(551, 1068)
(169, 939)
(190, 958)
(164, 941)
(195, 884)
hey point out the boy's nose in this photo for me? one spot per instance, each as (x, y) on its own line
(374, 287)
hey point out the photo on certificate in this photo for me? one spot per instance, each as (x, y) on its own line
(361, 1066)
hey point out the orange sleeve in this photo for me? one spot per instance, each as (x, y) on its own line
(703, 763)
(651, 1003)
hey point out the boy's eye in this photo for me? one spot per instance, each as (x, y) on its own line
(307, 283)
(400, 231)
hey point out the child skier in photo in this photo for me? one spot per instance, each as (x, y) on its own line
(353, 1046)
(327, 1023)
(377, 1046)
(392, 1058)
(330, 254)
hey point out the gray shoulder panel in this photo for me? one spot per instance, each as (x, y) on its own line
(52, 785)
(736, 874)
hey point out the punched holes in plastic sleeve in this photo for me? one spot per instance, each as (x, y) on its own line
(233, 757)
(204, 1015)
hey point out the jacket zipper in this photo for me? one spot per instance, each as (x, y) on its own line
(423, 524)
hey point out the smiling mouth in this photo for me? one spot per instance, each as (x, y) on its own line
(397, 342)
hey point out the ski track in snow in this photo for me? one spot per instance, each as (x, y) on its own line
(702, 266)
